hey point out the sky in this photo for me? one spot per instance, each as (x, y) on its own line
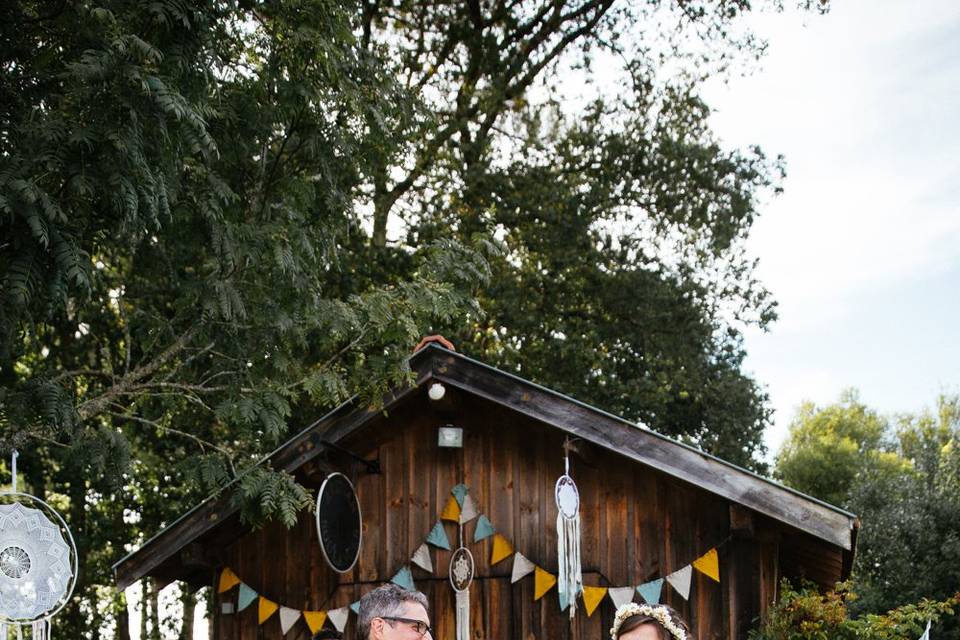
(862, 250)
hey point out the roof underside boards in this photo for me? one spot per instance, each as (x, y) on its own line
(640, 445)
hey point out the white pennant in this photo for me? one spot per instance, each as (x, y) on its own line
(421, 558)
(621, 595)
(288, 617)
(680, 580)
(338, 617)
(521, 567)
(469, 509)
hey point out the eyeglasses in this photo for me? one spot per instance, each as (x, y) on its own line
(421, 627)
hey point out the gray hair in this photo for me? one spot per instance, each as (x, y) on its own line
(385, 600)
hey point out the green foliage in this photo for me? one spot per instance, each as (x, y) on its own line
(806, 614)
(829, 447)
(624, 280)
(195, 200)
(263, 495)
(901, 479)
(178, 189)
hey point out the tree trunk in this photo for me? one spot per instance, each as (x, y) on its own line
(153, 607)
(123, 620)
(144, 608)
(188, 599)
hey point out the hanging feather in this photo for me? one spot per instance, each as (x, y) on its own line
(570, 578)
(463, 615)
(40, 629)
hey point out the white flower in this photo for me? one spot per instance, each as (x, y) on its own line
(657, 612)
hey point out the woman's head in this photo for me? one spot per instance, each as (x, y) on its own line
(649, 622)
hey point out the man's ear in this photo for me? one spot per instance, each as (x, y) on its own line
(376, 629)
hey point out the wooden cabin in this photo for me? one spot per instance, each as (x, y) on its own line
(649, 506)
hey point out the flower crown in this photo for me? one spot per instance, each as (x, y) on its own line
(658, 613)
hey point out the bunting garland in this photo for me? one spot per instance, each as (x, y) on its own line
(265, 609)
(708, 564)
(314, 620)
(650, 591)
(461, 508)
(680, 580)
(338, 618)
(288, 617)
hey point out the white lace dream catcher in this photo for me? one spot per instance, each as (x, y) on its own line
(570, 580)
(38, 563)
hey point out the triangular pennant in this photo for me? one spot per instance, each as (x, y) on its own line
(650, 591)
(521, 567)
(564, 603)
(245, 597)
(708, 564)
(421, 558)
(543, 581)
(355, 607)
(403, 578)
(228, 580)
(621, 595)
(459, 492)
(438, 537)
(314, 620)
(926, 633)
(468, 510)
(484, 529)
(338, 617)
(501, 549)
(680, 580)
(451, 512)
(266, 609)
(288, 617)
(592, 597)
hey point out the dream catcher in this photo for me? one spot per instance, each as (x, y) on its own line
(38, 563)
(462, 509)
(570, 580)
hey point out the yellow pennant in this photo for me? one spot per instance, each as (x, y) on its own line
(543, 581)
(502, 549)
(315, 619)
(265, 609)
(228, 580)
(451, 512)
(708, 564)
(592, 597)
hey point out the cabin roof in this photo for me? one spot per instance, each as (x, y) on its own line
(637, 443)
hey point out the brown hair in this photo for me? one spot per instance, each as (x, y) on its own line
(633, 622)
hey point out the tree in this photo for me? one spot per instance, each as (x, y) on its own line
(829, 447)
(806, 614)
(177, 186)
(901, 478)
(621, 191)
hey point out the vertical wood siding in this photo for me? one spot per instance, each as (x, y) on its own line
(637, 525)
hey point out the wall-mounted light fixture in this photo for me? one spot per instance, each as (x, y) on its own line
(450, 437)
(436, 391)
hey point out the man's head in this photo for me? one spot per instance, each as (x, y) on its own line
(393, 613)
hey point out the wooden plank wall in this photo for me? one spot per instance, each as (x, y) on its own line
(637, 525)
